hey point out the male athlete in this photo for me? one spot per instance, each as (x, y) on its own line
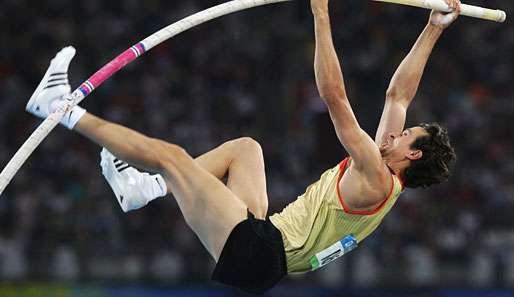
(333, 216)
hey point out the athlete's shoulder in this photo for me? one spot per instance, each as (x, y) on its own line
(360, 193)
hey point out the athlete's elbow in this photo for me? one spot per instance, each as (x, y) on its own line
(393, 94)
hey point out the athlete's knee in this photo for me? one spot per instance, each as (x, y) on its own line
(248, 142)
(247, 145)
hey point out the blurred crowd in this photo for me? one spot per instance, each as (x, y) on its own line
(251, 74)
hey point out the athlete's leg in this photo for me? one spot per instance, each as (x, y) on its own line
(208, 206)
(242, 161)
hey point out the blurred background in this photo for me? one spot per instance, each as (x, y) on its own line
(250, 74)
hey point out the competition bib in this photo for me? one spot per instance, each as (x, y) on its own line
(333, 252)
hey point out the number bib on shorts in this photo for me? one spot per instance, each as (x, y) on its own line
(333, 252)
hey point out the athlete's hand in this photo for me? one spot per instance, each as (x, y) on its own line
(318, 6)
(444, 19)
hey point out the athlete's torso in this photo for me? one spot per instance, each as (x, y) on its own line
(317, 219)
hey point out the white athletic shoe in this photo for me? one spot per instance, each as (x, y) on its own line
(52, 89)
(53, 86)
(133, 189)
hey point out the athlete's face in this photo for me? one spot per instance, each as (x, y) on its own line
(398, 145)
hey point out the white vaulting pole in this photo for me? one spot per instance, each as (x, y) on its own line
(468, 10)
(111, 68)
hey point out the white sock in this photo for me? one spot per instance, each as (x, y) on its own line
(153, 187)
(72, 117)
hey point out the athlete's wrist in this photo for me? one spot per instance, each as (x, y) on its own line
(435, 27)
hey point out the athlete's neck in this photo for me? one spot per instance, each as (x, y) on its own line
(396, 166)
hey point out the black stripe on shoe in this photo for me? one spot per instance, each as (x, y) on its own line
(58, 73)
(64, 79)
(55, 85)
(121, 164)
(123, 168)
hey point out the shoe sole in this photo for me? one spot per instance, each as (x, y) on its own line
(109, 172)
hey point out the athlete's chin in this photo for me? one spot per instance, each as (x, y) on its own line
(385, 151)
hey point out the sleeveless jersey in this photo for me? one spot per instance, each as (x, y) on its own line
(319, 219)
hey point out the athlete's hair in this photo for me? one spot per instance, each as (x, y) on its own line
(435, 164)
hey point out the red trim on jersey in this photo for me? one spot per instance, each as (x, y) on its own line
(401, 182)
(342, 169)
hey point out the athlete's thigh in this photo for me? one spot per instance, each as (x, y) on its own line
(208, 206)
(241, 150)
(216, 161)
(243, 160)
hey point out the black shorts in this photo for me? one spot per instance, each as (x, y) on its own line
(253, 258)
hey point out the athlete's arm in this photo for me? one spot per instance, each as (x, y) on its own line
(406, 79)
(329, 79)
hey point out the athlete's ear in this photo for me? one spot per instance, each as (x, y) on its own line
(414, 155)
